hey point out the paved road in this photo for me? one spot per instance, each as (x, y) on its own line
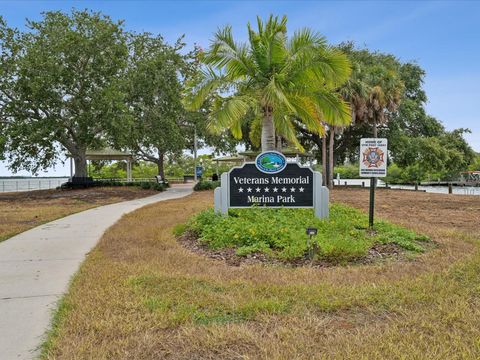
(37, 265)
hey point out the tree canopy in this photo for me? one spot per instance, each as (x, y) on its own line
(153, 91)
(59, 88)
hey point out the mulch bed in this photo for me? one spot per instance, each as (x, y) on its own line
(378, 253)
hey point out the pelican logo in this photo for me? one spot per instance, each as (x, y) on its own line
(271, 162)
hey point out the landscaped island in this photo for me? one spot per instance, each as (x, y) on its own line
(280, 235)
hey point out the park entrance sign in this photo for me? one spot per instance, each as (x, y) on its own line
(272, 182)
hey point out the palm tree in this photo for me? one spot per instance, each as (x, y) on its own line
(374, 89)
(275, 79)
(384, 96)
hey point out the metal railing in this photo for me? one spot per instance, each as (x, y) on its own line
(14, 185)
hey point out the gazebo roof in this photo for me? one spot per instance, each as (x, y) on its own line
(108, 154)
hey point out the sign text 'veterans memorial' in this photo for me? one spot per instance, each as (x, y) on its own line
(271, 181)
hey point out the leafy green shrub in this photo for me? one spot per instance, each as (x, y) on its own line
(350, 171)
(281, 233)
(158, 186)
(206, 185)
(395, 175)
(145, 185)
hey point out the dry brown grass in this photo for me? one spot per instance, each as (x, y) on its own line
(24, 210)
(141, 295)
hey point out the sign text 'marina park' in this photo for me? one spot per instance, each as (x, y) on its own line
(272, 182)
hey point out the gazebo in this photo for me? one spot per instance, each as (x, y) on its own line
(108, 154)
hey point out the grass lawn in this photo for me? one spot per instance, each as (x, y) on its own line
(24, 210)
(142, 295)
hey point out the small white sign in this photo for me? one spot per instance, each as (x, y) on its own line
(373, 157)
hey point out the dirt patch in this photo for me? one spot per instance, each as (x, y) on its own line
(418, 210)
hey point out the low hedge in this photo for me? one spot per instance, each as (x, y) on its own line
(145, 185)
(206, 185)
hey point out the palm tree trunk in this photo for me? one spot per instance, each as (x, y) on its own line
(330, 160)
(279, 143)
(268, 131)
(324, 160)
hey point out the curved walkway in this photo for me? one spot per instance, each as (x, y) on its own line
(37, 265)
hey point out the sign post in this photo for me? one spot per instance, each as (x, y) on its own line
(373, 164)
(272, 182)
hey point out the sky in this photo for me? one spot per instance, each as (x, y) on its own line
(443, 37)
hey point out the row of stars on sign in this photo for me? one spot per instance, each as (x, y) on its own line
(267, 189)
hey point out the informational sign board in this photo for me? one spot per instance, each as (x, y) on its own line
(293, 187)
(199, 171)
(373, 157)
(272, 182)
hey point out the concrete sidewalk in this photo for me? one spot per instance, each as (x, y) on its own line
(37, 265)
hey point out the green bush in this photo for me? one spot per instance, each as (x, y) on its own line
(206, 185)
(151, 185)
(350, 171)
(145, 185)
(158, 186)
(395, 175)
(281, 233)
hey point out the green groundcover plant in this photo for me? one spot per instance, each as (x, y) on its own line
(281, 233)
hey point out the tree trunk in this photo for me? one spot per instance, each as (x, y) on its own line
(80, 160)
(324, 160)
(160, 165)
(279, 143)
(268, 131)
(330, 158)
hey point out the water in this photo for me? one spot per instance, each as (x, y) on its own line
(457, 190)
(11, 185)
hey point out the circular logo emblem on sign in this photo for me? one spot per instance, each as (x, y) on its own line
(373, 157)
(271, 162)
